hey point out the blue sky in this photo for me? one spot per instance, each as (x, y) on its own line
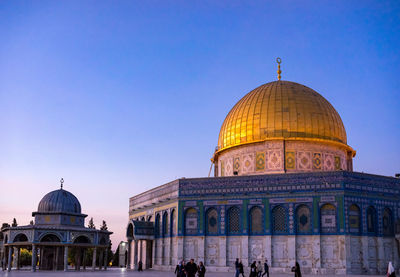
(118, 97)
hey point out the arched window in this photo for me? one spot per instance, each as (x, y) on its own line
(157, 226)
(328, 219)
(387, 222)
(149, 218)
(173, 223)
(256, 222)
(20, 238)
(50, 238)
(279, 220)
(165, 226)
(212, 221)
(371, 220)
(142, 219)
(303, 219)
(233, 220)
(354, 219)
(191, 221)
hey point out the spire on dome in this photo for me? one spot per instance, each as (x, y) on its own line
(278, 60)
(61, 183)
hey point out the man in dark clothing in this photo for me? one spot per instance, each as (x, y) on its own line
(140, 267)
(191, 268)
(253, 269)
(266, 269)
(237, 267)
(241, 271)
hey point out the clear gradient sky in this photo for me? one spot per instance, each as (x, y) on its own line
(118, 97)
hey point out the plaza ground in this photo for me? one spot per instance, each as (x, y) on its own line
(114, 272)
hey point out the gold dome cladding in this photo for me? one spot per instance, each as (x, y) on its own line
(281, 110)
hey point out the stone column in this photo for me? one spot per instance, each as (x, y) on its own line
(94, 259)
(40, 256)
(135, 254)
(101, 258)
(65, 258)
(291, 242)
(180, 248)
(84, 259)
(10, 251)
(128, 259)
(245, 249)
(34, 258)
(16, 257)
(105, 259)
(55, 255)
(222, 251)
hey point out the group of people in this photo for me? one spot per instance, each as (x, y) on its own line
(256, 269)
(190, 269)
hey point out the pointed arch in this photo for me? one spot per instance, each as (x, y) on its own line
(303, 219)
(233, 221)
(256, 220)
(279, 220)
(211, 221)
(191, 221)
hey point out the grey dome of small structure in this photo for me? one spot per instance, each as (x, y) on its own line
(60, 201)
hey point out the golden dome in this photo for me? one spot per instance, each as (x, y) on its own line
(281, 110)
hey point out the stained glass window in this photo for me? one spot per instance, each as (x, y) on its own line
(303, 219)
(371, 220)
(279, 219)
(212, 221)
(387, 222)
(328, 218)
(165, 224)
(233, 220)
(354, 219)
(191, 221)
(256, 220)
(173, 222)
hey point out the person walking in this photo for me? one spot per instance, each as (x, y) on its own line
(241, 271)
(253, 269)
(178, 269)
(237, 267)
(191, 268)
(296, 270)
(390, 270)
(201, 270)
(140, 267)
(259, 269)
(266, 268)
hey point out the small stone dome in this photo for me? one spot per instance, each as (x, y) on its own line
(61, 201)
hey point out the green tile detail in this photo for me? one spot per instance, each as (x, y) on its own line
(201, 219)
(267, 213)
(340, 210)
(315, 212)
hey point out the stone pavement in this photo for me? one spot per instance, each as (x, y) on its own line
(116, 272)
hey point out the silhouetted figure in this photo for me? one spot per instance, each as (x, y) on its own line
(253, 270)
(140, 267)
(241, 271)
(237, 272)
(266, 268)
(201, 269)
(191, 268)
(259, 269)
(296, 270)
